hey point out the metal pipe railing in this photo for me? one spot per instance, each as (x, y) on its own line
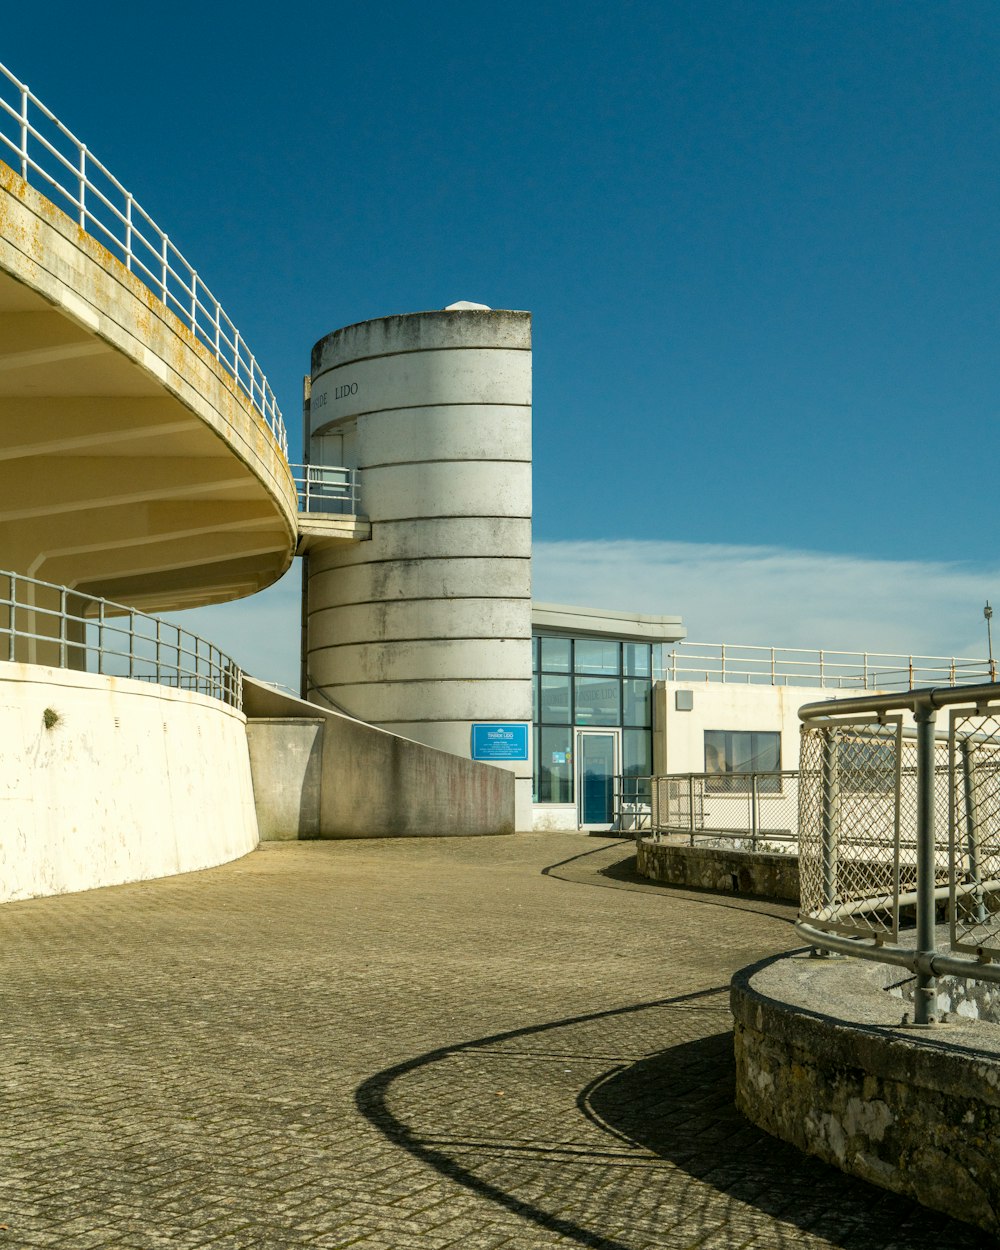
(838, 670)
(42, 623)
(836, 738)
(327, 489)
(50, 157)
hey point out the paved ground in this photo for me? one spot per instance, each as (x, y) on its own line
(428, 1044)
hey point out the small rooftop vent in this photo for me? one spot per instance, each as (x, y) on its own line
(463, 304)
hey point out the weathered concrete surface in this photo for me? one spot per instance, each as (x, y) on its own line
(401, 1045)
(106, 779)
(320, 774)
(675, 862)
(823, 1062)
(426, 629)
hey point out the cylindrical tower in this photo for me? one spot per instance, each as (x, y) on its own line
(426, 628)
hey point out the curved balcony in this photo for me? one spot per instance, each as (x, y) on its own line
(142, 455)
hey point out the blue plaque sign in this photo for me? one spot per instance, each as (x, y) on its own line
(499, 742)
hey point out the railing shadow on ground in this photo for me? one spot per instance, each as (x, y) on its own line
(588, 868)
(655, 1148)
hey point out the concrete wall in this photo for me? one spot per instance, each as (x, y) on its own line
(675, 862)
(128, 781)
(318, 774)
(427, 628)
(679, 737)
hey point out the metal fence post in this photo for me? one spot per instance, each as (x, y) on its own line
(754, 810)
(923, 1004)
(691, 805)
(830, 819)
(972, 825)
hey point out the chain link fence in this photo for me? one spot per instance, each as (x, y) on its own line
(756, 811)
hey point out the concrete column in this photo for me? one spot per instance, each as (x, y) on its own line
(427, 628)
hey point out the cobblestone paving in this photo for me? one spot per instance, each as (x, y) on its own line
(430, 1043)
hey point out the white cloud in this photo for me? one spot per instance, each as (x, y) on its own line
(772, 596)
(765, 596)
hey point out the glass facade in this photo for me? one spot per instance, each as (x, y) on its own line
(589, 683)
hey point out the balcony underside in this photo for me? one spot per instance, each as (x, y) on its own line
(131, 466)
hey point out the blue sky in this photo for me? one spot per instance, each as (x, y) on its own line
(759, 241)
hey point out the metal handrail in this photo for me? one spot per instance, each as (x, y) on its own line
(832, 719)
(740, 796)
(57, 162)
(43, 623)
(841, 670)
(329, 489)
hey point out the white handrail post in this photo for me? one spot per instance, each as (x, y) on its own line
(128, 231)
(62, 627)
(194, 301)
(83, 186)
(24, 132)
(13, 611)
(163, 270)
(218, 329)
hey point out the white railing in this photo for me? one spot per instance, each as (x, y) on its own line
(839, 670)
(50, 157)
(327, 489)
(42, 623)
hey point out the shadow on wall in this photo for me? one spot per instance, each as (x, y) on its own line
(610, 1153)
(320, 774)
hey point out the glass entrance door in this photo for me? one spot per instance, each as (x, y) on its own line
(597, 767)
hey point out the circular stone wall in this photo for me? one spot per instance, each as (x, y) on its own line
(426, 628)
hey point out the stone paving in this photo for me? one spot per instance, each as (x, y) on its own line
(476, 1043)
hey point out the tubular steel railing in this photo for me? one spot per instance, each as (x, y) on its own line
(753, 810)
(840, 670)
(41, 623)
(327, 489)
(891, 817)
(631, 796)
(49, 156)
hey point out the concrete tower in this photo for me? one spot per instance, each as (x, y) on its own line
(426, 628)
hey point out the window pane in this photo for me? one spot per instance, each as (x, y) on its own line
(534, 654)
(637, 659)
(556, 655)
(555, 700)
(765, 754)
(638, 702)
(555, 766)
(534, 697)
(596, 657)
(737, 752)
(637, 750)
(598, 701)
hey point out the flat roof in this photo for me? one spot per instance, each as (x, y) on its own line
(560, 618)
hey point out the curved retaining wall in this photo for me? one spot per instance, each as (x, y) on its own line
(823, 1062)
(427, 628)
(105, 780)
(675, 862)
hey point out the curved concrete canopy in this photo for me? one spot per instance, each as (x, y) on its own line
(131, 465)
